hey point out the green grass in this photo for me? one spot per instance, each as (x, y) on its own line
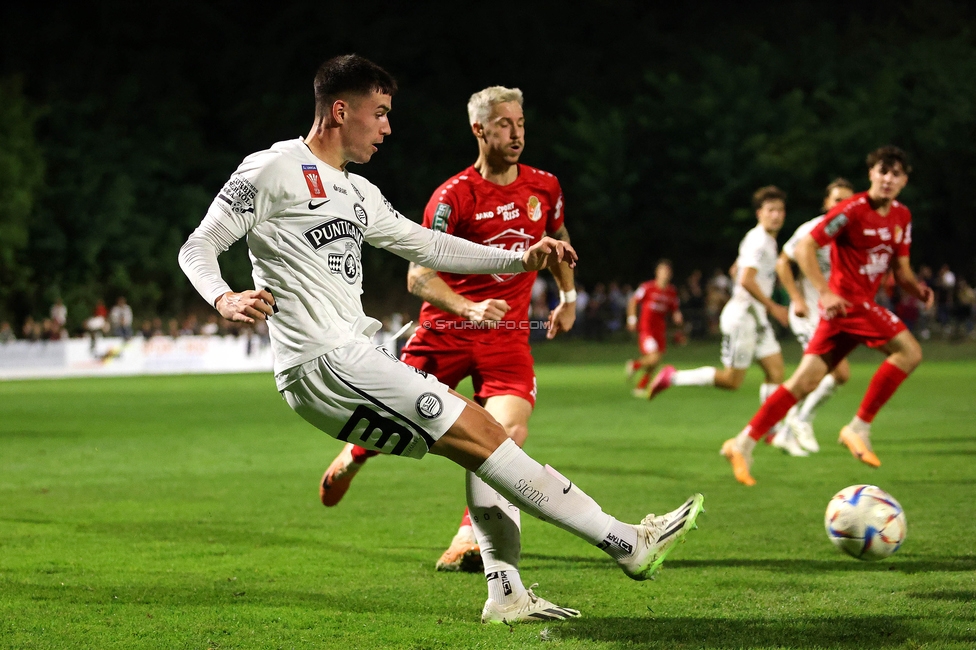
(182, 512)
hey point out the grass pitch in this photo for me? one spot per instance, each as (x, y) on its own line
(182, 512)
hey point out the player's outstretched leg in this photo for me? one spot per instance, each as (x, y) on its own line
(344, 467)
(463, 554)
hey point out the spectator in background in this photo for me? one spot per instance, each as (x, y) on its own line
(539, 306)
(717, 293)
(210, 328)
(597, 312)
(189, 327)
(6, 332)
(29, 330)
(965, 306)
(617, 302)
(120, 319)
(97, 324)
(582, 302)
(693, 303)
(945, 290)
(59, 313)
(924, 317)
(147, 329)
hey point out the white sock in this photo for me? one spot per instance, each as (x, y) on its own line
(497, 527)
(545, 493)
(820, 394)
(860, 425)
(697, 377)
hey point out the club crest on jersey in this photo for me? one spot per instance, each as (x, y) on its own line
(360, 213)
(239, 194)
(898, 234)
(345, 264)
(429, 406)
(330, 231)
(314, 181)
(834, 225)
(441, 215)
(534, 208)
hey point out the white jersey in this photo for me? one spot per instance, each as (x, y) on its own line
(305, 223)
(757, 251)
(810, 295)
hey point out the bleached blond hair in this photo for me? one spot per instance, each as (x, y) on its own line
(479, 106)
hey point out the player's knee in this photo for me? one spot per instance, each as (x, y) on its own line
(842, 373)
(517, 432)
(912, 354)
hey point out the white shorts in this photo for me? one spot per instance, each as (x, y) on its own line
(361, 394)
(803, 328)
(746, 335)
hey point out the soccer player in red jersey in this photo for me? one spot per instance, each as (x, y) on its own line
(647, 313)
(871, 232)
(477, 326)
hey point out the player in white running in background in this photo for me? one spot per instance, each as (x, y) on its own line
(746, 332)
(804, 317)
(305, 218)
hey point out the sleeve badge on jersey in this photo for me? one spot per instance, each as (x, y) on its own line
(238, 193)
(534, 208)
(360, 213)
(441, 215)
(836, 224)
(314, 181)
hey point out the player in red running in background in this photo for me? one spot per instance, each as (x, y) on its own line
(870, 232)
(477, 326)
(647, 314)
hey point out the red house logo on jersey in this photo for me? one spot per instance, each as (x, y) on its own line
(509, 239)
(314, 181)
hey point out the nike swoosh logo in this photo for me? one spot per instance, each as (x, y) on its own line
(315, 206)
(566, 491)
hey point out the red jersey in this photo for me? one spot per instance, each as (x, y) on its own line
(865, 244)
(654, 304)
(512, 216)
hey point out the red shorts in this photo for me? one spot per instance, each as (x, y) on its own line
(650, 342)
(498, 362)
(865, 322)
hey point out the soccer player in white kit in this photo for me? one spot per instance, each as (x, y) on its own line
(305, 218)
(805, 316)
(746, 332)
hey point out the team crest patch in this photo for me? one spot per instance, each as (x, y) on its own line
(345, 264)
(441, 215)
(360, 213)
(835, 224)
(535, 208)
(429, 406)
(898, 234)
(314, 181)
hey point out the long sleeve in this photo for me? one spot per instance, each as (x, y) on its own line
(198, 256)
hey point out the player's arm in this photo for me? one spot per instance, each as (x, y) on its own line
(427, 285)
(632, 311)
(775, 309)
(806, 258)
(907, 280)
(784, 271)
(562, 318)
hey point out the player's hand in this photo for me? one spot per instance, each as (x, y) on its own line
(561, 319)
(548, 252)
(486, 311)
(833, 305)
(780, 313)
(926, 295)
(800, 308)
(246, 306)
(631, 325)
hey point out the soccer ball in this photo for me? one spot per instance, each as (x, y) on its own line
(865, 522)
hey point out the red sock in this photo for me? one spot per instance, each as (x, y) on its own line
(466, 519)
(644, 380)
(771, 412)
(360, 455)
(635, 365)
(883, 385)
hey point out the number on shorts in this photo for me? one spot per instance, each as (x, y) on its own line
(375, 421)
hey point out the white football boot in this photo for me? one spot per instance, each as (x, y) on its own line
(785, 440)
(527, 609)
(803, 431)
(657, 536)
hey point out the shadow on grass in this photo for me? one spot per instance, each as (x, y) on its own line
(832, 632)
(900, 565)
(962, 596)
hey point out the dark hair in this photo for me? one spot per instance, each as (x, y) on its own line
(839, 182)
(888, 156)
(349, 74)
(768, 193)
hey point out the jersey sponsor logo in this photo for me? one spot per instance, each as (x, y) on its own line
(360, 213)
(312, 205)
(535, 495)
(375, 422)
(441, 214)
(884, 234)
(386, 353)
(429, 406)
(879, 258)
(358, 193)
(534, 207)
(508, 211)
(340, 190)
(834, 225)
(509, 239)
(314, 181)
(239, 194)
(345, 264)
(559, 208)
(330, 231)
(481, 216)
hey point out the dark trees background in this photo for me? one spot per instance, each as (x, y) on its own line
(119, 122)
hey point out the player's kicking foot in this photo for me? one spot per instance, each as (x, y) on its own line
(337, 478)
(661, 382)
(527, 609)
(463, 554)
(785, 440)
(657, 536)
(740, 459)
(640, 393)
(859, 446)
(804, 434)
(631, 368)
